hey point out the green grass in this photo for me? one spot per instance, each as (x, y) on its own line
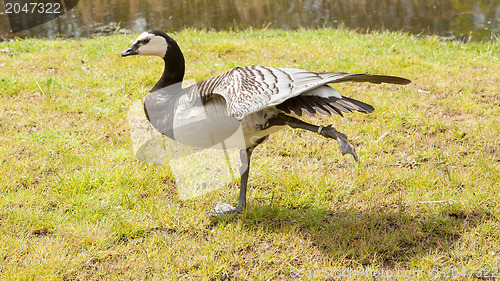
(76, 204)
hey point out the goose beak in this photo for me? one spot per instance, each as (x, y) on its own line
(132, 50)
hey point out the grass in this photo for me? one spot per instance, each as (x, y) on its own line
(76, 204)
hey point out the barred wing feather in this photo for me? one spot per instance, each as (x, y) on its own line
(253, 88)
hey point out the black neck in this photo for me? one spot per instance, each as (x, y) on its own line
(173, 73)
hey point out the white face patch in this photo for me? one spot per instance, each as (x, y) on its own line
(157, 45)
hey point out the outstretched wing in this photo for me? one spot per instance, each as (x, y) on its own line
(253, 88)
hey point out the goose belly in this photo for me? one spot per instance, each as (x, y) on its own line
(210, 126)
(206, 125)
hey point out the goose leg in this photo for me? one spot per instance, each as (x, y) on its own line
(329, 132)
(226, 209)
(244, 171)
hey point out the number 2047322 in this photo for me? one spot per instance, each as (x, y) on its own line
(33, 8)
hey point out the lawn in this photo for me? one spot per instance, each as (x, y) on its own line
(75, 204)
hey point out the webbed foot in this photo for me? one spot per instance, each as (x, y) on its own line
(223, 209)
(345, 146)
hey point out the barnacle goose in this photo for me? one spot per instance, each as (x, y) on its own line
(258, 99)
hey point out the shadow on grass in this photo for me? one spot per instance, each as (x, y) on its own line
(380, 237)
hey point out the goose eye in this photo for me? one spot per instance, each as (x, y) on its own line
(146, 40)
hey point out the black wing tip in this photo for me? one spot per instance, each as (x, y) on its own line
(400, 80)
(372, 78)
(387, 79)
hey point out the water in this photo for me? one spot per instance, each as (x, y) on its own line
(450, 19)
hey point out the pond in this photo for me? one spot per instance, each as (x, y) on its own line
(450, 19)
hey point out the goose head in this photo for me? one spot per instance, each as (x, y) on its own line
(150, 43)
(158, 43)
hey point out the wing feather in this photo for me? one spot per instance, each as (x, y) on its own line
(253, 88)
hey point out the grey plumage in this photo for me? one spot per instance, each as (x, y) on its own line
(252, 88)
